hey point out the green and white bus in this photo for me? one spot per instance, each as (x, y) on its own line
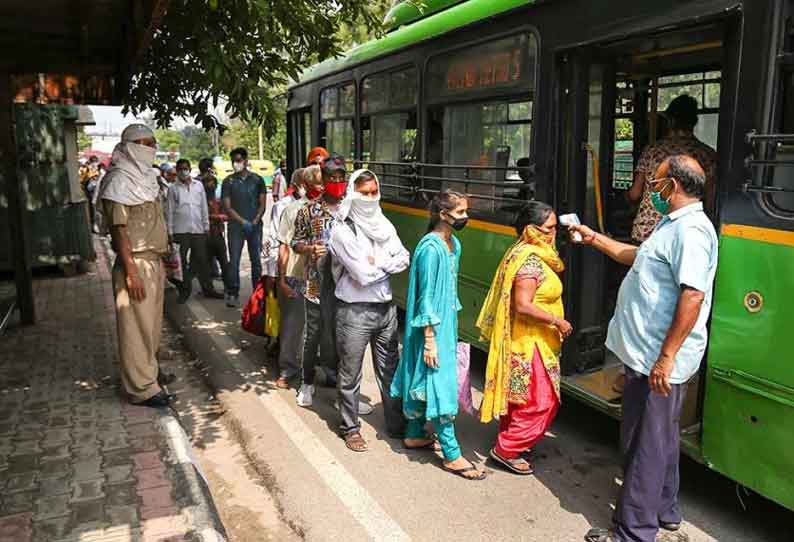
(556, 98)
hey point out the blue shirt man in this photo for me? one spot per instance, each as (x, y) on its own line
(659, 333)
(244, 198)
(682, 251)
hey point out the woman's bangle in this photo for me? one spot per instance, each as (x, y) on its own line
(554, 320)
(591, 238)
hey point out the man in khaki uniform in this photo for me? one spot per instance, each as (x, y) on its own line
(134, 214)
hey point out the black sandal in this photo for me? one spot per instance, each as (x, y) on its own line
(433, 445)
(462, 472)
(510, 464)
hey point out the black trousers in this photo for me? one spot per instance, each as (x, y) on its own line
(193, 253)
(216, 250)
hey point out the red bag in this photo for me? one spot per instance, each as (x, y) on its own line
(254, 311)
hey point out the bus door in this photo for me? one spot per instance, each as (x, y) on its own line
(299, 137)
(611, 103)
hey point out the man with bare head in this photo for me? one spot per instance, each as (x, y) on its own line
(659, 333)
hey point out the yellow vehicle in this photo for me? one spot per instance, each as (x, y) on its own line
(264, 168)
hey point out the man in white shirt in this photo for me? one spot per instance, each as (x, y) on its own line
(188, 225)
(366, 251)
(291, 277)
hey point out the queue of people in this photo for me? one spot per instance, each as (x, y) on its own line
(329, 253)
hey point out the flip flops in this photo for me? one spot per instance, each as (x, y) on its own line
(510, 464)
(462, 473)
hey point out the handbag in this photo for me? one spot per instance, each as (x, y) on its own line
(253, 318)
(173, 263)
(465, 402)
(272, 315)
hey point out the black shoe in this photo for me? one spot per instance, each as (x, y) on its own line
(165, 379)
(670, 525)
(160, 400)
(213, 294)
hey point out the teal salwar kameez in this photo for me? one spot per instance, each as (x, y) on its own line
(427, 393)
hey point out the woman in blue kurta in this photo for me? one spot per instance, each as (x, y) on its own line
(426, 378)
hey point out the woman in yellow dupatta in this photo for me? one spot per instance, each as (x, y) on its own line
(523, 319)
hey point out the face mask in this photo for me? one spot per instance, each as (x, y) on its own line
(662, 206)
(142, 153)
(183, 174)
(336, 190)
(458, 224)
(238, 166)
(301, 191)
(314, 193)
(366, 206)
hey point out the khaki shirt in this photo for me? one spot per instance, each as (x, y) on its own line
(286, 231)
(145, 225)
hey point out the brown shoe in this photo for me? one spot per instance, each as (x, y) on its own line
(282, 383)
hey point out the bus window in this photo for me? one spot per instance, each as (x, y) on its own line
(705, 88)
(480, 121)
(300, 126)
(337, 112)
(388, 126)
(491, 136)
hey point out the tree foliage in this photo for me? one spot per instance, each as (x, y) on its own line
(240, 51)
(83, 140)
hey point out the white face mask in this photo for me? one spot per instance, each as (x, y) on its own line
(365, 206)
(142, 154)
(183, 174)
(238, 166)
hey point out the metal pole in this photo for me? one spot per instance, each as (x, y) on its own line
(259, 133)
(16, 205)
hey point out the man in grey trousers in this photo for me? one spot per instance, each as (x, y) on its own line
(366, 251)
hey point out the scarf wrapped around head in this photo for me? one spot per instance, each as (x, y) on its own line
(366, 213)
(130, 179)
(494, 320)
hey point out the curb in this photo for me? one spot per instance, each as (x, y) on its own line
(193, 495)
(220, 379)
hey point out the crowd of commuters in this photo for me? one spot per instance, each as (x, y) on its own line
(329, 253)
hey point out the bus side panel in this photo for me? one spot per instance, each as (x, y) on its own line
(748, 420)
(482, 250)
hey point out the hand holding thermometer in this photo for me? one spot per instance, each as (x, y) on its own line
(572, 219)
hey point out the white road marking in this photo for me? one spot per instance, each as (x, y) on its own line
(361, 505)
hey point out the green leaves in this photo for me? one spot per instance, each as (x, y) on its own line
(243, 51)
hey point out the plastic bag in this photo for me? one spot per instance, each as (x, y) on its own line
(173, 263)
(465, 402)
(253, 320)
(272, 315)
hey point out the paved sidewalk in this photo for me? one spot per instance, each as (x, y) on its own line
(77, 462)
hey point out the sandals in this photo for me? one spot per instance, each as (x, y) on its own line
(462, 472)
(355, 442)
(600, 535)
(512, 464)
(433, 445)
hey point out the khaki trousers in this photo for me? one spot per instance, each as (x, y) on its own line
(139, 325)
